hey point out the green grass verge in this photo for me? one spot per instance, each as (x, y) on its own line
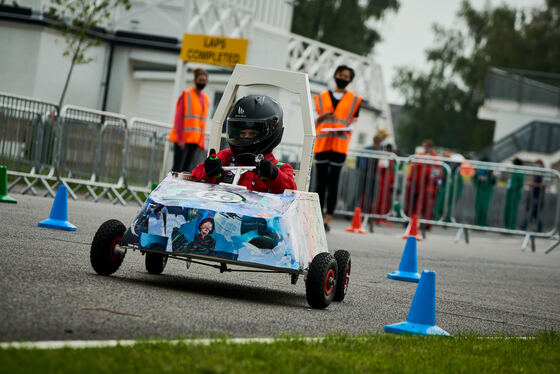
(336, 354)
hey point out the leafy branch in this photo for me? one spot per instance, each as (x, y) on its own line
(77, 19)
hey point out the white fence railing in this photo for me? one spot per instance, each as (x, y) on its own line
(320, 60)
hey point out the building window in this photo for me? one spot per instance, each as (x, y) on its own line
(361, 138)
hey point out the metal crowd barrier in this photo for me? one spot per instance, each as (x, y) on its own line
(110, 158)
(147, 140)
(499, 197)
(467, 195)
(509, 199)
(289, 153)
(27, 137)
(146, 146)
(423, 185)
(91, 152)
(80, 148)
(367, 181)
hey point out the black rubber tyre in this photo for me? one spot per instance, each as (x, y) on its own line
(344, 262)
(321, 281)
(102, 256)
(155, 262)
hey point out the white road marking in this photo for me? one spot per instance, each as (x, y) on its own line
(80, 344)
(58, 344)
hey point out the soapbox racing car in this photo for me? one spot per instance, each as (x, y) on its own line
(227, 226)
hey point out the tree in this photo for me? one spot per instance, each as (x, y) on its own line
(342, 23)
(76, 19)
(442, 103)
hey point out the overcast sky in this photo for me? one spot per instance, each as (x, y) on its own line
(408, 33)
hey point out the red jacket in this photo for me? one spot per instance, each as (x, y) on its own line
(424, 174)
(284, 179)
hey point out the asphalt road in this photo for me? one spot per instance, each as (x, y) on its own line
(50, 292)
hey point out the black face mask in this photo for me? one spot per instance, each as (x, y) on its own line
(341, 83)
(200, 86)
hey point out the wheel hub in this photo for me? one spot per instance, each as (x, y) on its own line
(329, 282)
(113, 254)
(346, 278)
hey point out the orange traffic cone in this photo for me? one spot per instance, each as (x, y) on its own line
(356, 225)
(412, 229)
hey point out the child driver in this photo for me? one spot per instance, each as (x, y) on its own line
(254, 126)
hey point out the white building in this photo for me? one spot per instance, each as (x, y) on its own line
(525, 106)
(133, 70)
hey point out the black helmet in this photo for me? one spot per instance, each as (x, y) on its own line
(254, 125)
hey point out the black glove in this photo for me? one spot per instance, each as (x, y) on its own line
(267, 170)
(213, 165)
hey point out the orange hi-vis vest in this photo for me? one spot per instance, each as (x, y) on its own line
(194, 119)
(336, 141)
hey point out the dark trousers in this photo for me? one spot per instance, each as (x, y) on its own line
(183, 158)
(534, 215)
(328, 166)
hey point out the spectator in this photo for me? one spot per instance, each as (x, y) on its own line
(422, 185)
(514, 192)
(484, 181)
(189, 126)
(383, 133)
(455, 187)
(363, 162)
(337, 111)
(536, 201)
(367, 169)
(386, 174)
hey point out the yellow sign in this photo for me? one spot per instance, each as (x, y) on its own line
(214, 50)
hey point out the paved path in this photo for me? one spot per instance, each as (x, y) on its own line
(50, 292)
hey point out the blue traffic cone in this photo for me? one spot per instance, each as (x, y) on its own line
(408, 268)
(421, 318)
(59, 212)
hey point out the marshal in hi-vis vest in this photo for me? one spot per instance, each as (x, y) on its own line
(336, 141)
(194, 119)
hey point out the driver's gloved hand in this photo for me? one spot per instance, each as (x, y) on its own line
(266, 170)
(213, 165)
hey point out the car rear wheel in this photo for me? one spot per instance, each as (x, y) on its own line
(344, 262)
(321, 281)
(103, 258)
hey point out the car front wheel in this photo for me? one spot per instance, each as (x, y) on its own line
(103, 258)
(321, 281)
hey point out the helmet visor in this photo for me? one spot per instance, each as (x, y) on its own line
(246, 131)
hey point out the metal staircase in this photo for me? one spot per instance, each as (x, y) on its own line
(536, 136)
